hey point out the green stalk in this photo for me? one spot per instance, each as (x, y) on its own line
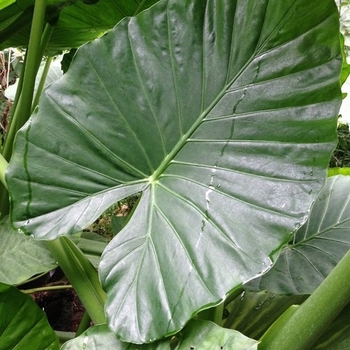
(3, 167)
(22, 107)
(64, 336)
(82, 276)
(41, 83)
(235, 294)
(84, 324)
(34, 57)
(213, 314)
(311, 318)
(46, 289)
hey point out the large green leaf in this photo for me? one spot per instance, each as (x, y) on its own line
(21, 257)
(23, 325)
(222, 113)
(253, 313)
(77, 24)
(197, 334)
(317, 246)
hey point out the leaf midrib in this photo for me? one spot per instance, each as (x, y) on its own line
(183, 140)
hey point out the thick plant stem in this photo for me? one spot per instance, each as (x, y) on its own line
(308, 322)
(34, 57)
(82, 276)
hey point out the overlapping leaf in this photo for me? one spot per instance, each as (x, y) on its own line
(317, 246)
(253, 313)
(77, 23)
(211, 109)
(21, 257)
(198, 334)
(23, 325)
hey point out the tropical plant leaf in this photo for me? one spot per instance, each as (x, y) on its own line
(21, 257)
(197, 334)
(337, 335)
(253, 313)
(317, 246)
(4, 287)
(212, 112)
(23, 325)
(78, 22)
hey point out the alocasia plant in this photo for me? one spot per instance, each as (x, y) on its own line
(211, 113)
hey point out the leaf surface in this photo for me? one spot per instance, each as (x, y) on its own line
(317, 246)
(21, 257)
(23, 325)
(212, 113)
(253, 313)
(197, 334)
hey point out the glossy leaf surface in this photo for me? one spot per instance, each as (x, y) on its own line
(317, 247)
(212, 113)
(21, 257)
(196, 335)
(23, 325)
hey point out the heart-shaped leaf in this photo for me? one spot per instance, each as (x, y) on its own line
(317, 246)
(222, 113)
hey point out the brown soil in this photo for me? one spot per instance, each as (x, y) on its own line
(63, 309)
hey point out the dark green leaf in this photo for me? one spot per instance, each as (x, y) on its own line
(253, 313)
(212, 113)
(77, 23)
(4, 287)
(23, 325)
(317, 246)
(118, 223)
